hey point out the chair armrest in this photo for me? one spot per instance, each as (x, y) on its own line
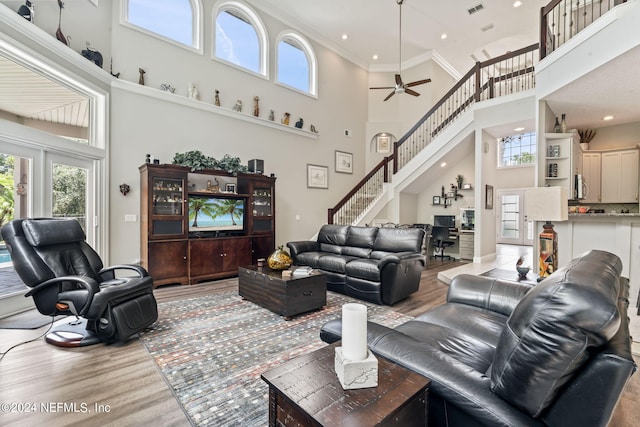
(401, 257)
(302, 246)
(109, 272)
(86, 282)
(496, 295)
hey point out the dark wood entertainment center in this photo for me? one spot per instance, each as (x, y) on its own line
(173, 251)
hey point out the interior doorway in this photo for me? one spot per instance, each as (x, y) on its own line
(512, 226)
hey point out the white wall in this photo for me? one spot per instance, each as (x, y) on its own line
(142, 124)
(616, 136)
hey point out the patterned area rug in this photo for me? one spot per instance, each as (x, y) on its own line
(213, 349)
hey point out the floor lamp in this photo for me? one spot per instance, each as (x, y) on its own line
(547, 204)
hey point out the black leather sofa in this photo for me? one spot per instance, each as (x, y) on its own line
(380, 265)
(504, 353)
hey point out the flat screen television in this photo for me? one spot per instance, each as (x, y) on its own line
(219, 213)
(448, 221)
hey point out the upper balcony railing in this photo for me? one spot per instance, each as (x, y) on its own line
(511, 73)
(561, 20)
(504, 75)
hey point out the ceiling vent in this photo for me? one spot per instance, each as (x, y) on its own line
(476, 8)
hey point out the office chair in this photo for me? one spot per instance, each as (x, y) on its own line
(66, 277)
(440, 236)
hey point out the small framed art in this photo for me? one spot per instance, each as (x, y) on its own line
(317, 176)
(230, 188)
(488, 197)
(436, 200)
(383, 144)
(344, 162)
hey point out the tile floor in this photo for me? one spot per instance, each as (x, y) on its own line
(506, 257)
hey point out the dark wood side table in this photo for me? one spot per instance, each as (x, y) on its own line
(305, 391)
(284, 296)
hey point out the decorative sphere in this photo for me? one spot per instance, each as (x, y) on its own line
(279, 259)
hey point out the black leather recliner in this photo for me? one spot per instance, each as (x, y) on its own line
(502, 353)
(66, 277)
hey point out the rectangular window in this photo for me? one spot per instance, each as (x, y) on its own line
(516, 150)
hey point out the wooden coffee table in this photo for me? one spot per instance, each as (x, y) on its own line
(306, 391)
(284, 296)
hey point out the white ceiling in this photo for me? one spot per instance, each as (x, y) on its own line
(372, 28)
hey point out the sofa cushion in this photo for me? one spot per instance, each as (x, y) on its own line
(399, 240)
(330, 249)
(356, 252)
(333, 234)
(362, 237)
(550, 331)
(364, 269)
(335, 263)
(312, 259)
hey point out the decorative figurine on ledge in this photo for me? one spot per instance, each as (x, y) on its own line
(26, 11)
(117, 75)
(299, 123)
(286, 118)
(272, 115)
(256, 106)
(238, 106)
(167, 88)
(313, 129)
(141, 78)
(59, 34)
(194, 93)
(216, 98)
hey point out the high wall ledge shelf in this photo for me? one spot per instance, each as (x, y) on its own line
(209, 107)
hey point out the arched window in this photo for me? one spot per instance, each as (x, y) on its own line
(240, 37)
(297, 64)
(176, 21)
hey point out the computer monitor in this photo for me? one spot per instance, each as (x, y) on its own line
(448, 221)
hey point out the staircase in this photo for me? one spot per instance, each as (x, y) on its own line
(514, 72)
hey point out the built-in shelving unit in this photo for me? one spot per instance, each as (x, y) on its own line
(173, 250)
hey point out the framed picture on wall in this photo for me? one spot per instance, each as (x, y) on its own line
(230, 188)
(436, 200)
(488, 197)
(344, 162)
(317, 176)
(383, 144)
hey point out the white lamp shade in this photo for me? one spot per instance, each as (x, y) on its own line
(547, 204)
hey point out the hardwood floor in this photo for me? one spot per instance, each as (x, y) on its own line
(125, 378)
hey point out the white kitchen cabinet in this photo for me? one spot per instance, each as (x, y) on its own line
(619, 183)
(591, 177)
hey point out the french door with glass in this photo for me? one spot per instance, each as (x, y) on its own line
(512, 225)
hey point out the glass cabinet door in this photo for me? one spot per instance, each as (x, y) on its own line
(167, 196)
(167, 206)
(262, 206)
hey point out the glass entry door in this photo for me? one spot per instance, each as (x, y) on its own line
(512, 226)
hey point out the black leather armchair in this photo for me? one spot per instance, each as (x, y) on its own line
(66, 277)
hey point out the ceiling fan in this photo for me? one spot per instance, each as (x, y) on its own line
(401, 87)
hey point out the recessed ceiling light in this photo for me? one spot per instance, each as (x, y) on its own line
(344, 37)
(443, 164)
(443, 36)
(517, 3)
(520, 129)
(607, 118)
(375, 56)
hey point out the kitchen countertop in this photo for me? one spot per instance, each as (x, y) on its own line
(599, 215)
